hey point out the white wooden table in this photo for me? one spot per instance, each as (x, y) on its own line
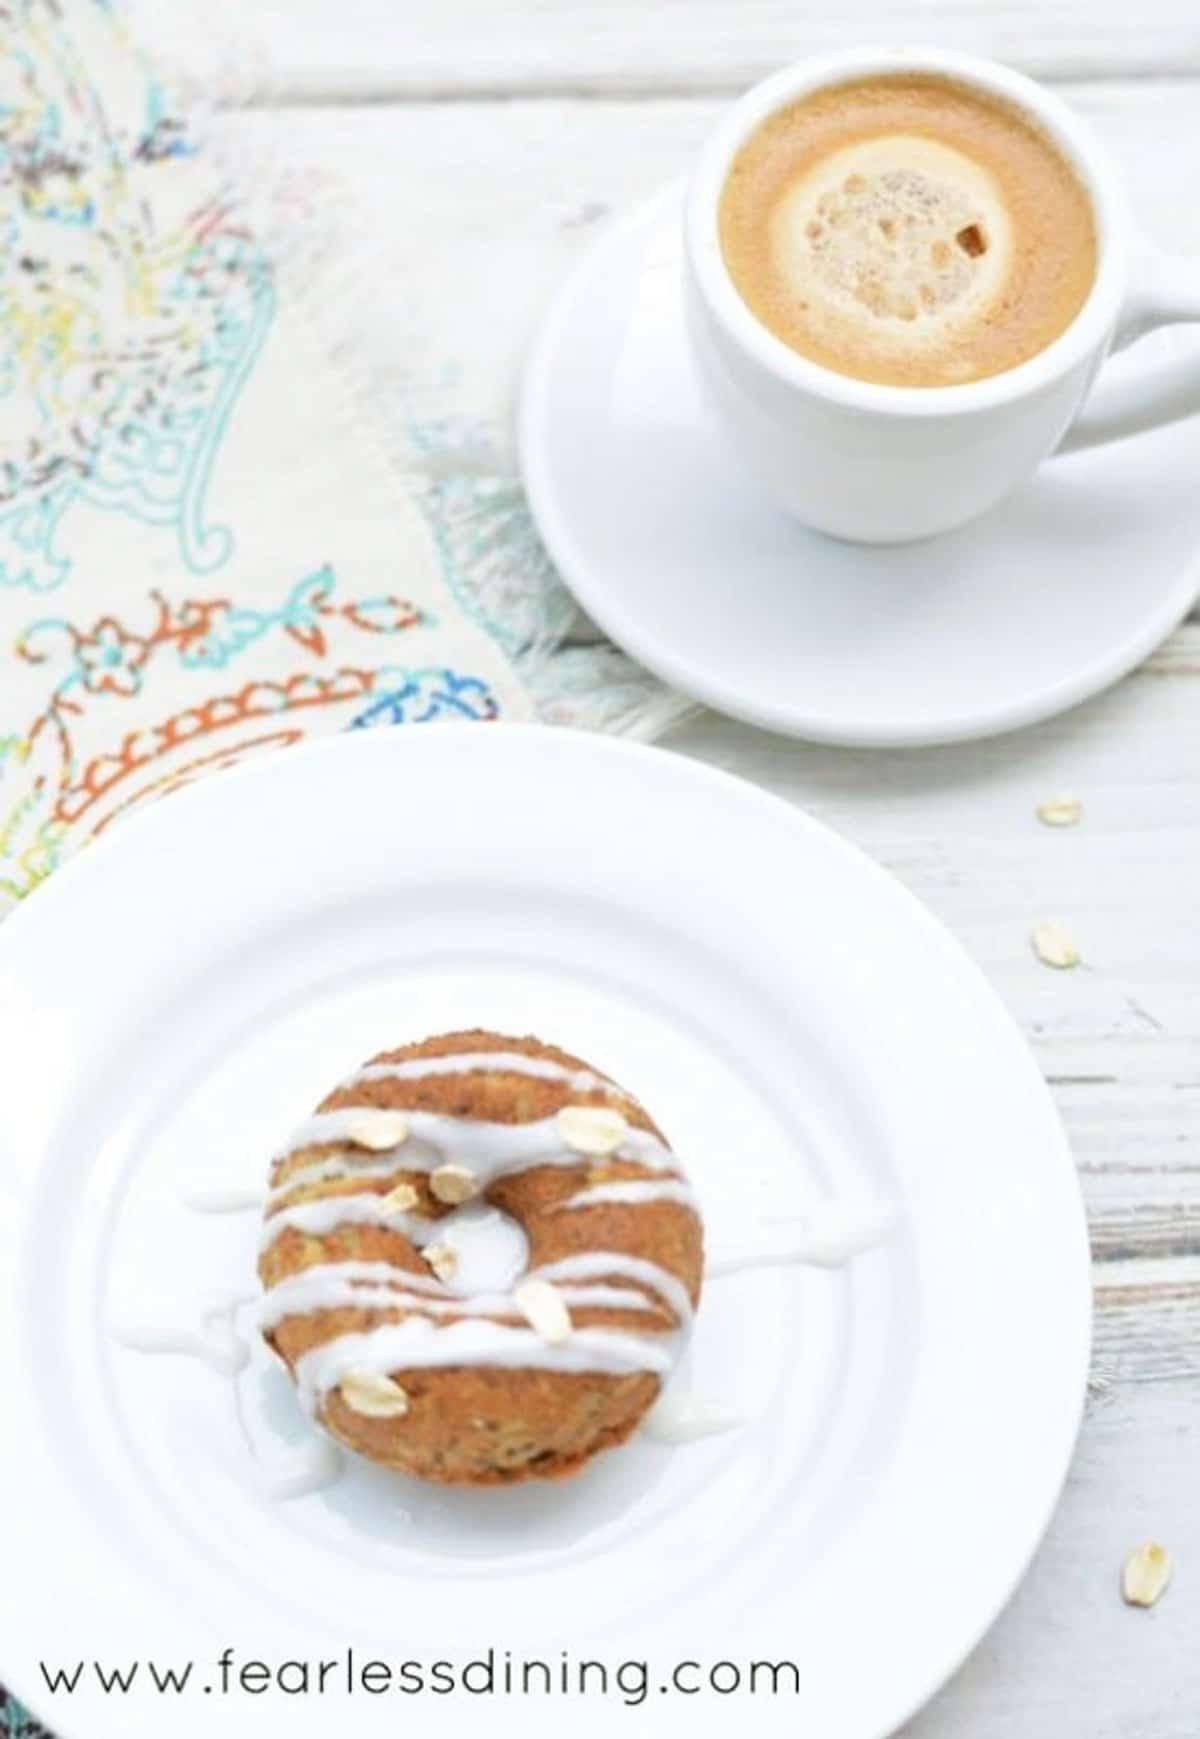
(485, 142)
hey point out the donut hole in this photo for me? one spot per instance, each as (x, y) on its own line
(490, 1246)
(972, 240)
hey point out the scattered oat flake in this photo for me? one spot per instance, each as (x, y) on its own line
(1054, 945)
(1060, 811)
(1145, 1574)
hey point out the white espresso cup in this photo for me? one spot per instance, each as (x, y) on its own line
(889, 464)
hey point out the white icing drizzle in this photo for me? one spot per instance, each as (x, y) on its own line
(338, 1165)
(205, 1197)
(317, 1219)
(828, 1236)
(599, 1264)
(208, 1198)
(491, 1150)
(331, 1277)
(379, 1286)
(685, 1419)
(417, 1343)
(490, 1062)
(211, 1337)
(318, 1465)
(444, 1326)
(633, 1192)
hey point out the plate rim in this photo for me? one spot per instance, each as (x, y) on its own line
(1075, 1328)
(706, 686)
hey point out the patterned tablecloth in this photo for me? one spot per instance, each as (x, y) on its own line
(203, 554)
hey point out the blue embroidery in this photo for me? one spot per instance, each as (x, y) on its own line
(158, 462)
(27, 553)
(409, 697)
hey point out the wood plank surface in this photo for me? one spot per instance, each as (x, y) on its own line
(375, 50)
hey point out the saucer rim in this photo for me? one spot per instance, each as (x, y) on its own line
(532, 425)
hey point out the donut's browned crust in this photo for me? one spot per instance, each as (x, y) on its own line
(478, 1424)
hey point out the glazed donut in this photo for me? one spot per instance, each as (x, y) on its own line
(393, 1349)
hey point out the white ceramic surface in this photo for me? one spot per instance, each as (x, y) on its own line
(887, 464)
(683, 561)
(179, 994)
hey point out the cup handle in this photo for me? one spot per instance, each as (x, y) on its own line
(1165, 292)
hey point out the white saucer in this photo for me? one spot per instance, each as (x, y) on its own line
(676, 555)
(181, 994)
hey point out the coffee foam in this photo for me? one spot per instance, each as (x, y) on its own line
(900, 239)
(908, 230)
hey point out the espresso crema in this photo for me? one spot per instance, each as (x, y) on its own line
(909, 230)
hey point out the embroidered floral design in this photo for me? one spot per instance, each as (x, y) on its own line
(109, 660)
(418, 696)
(209, 633)
(82, 760)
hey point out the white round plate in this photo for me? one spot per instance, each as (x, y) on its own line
(673, 551)
(183, 992)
